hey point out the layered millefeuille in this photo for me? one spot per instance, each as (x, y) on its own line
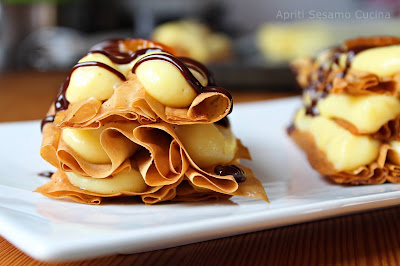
(134, 119)
(349, 123)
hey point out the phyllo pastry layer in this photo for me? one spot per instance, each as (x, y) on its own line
(349, 123)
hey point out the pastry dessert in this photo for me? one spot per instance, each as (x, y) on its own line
(283, 42)
(132, 119)
(195, 40)
(349, 124)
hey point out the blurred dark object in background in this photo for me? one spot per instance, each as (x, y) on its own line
(47, 35)
(89, 16)
(16, 22)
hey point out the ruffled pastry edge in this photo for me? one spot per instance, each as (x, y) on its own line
(59, 187)
(161, 147)
(131, 102)
(376, 172)
(147, 161)
(353, 82)
(389, 131)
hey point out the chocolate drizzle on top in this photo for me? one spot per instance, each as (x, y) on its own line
(193, 64)
(180, 65)
(112, 49)
(319, 89)
(110, 46)
(98, 64)
(238, 173)
(61, 103)
(125, 58)
(47, 119)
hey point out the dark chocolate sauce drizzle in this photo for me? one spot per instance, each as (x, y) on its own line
(180, 65)
(125, 58)
(47, 119)
(61, 103)
(111, 49)
(193, 64)
(110, 46)
(238, 173)
(98, 64)
(319, 89)
(46, 174)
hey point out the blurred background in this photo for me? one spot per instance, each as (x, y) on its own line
(248, 44)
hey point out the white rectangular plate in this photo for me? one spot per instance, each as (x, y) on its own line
(48, 229)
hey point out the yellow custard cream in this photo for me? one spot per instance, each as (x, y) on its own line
(165, 83)
(367, 112)
(93, 81)
(131, 181)
(208, 144)
(344, 150)
(87, 144)
(382, 61)
(162, 80)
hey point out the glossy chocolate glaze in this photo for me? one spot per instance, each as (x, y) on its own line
(125, 58)
(238, 173)
(111, 49)
(46, 174)
(180, 65)
(193, 64)
(61, 103)
(110, 46)
(47, 119)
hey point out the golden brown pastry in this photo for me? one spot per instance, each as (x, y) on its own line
(349, 123)
(132, 119)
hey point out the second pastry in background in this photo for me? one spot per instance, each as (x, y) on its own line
(195, 40)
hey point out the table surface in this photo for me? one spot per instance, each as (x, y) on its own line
(369, 238)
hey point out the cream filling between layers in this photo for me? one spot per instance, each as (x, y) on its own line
(165, 83)
(382, 61)
(208, 144)
(344, 150)
(131, 181)
(368, 113)
(86, 143)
